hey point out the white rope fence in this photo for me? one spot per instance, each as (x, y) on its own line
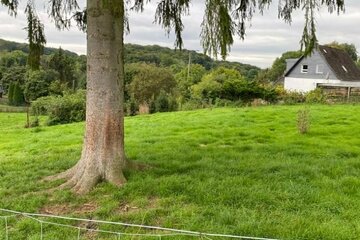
(168, 232)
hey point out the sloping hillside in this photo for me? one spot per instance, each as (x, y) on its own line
(243, 171)
(8, 46)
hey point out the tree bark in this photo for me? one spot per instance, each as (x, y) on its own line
(103, 157)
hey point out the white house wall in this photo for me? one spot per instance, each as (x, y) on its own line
(305, 84)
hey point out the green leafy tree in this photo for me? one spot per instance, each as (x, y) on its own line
(229, 84)
(103, 156)
(13, 75)
(38, 83)
(217, 84)
(350, 48)
(149, 81)
(188, 77)
(130, 71)
(13, 59)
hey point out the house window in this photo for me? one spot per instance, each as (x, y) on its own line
(319, 68)
(304, 68)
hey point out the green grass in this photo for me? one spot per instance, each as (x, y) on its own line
(243, 171)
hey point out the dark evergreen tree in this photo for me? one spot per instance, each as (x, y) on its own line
(11, 93)
(18, 95)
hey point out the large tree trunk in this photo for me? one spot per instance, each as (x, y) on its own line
(103, 157)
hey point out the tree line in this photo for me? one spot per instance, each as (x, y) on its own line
(153, 74)
(157, 79)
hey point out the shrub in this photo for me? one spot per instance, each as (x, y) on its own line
(173, 103)
(316, 96)
(293, 97)
(303, 120)
(192, 104)
(162, 102)
(152, 106)
(61, 109)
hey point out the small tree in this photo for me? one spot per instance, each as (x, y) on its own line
(303, 121)
(149, 81)
(188, 77)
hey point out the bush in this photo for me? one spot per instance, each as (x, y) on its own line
(61, 109)
(293, 97)
(192, 104)
(162, 103)
(316, 96)
(132, 107)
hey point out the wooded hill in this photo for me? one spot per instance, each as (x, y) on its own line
(160, 56)
(9, 46)
(166, 57)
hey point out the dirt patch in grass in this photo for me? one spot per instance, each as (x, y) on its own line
(134, 208)
(65, 209)
(57, 209)
(86, 208)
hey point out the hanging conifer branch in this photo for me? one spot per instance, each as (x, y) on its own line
(168, 15)
(36, 36)
(309, 39)
(80, 19)
(12, 6)
(61, 12)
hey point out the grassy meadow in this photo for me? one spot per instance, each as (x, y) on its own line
(242, 171)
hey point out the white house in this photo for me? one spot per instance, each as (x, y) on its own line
(326, 67)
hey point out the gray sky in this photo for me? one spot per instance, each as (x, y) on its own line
(267, 37)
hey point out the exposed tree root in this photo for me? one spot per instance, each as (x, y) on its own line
(82, 178)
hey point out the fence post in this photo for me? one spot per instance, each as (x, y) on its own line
(6, 229)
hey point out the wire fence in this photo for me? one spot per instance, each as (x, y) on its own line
(83, 228)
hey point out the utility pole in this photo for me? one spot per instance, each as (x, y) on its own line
(188, 73)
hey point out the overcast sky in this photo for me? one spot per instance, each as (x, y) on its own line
(267, 37)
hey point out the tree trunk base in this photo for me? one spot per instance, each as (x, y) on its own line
(82, 180)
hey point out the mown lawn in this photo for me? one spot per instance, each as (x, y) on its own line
(243, 171)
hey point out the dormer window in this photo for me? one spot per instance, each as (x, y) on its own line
(344, 68)
(304, 68)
